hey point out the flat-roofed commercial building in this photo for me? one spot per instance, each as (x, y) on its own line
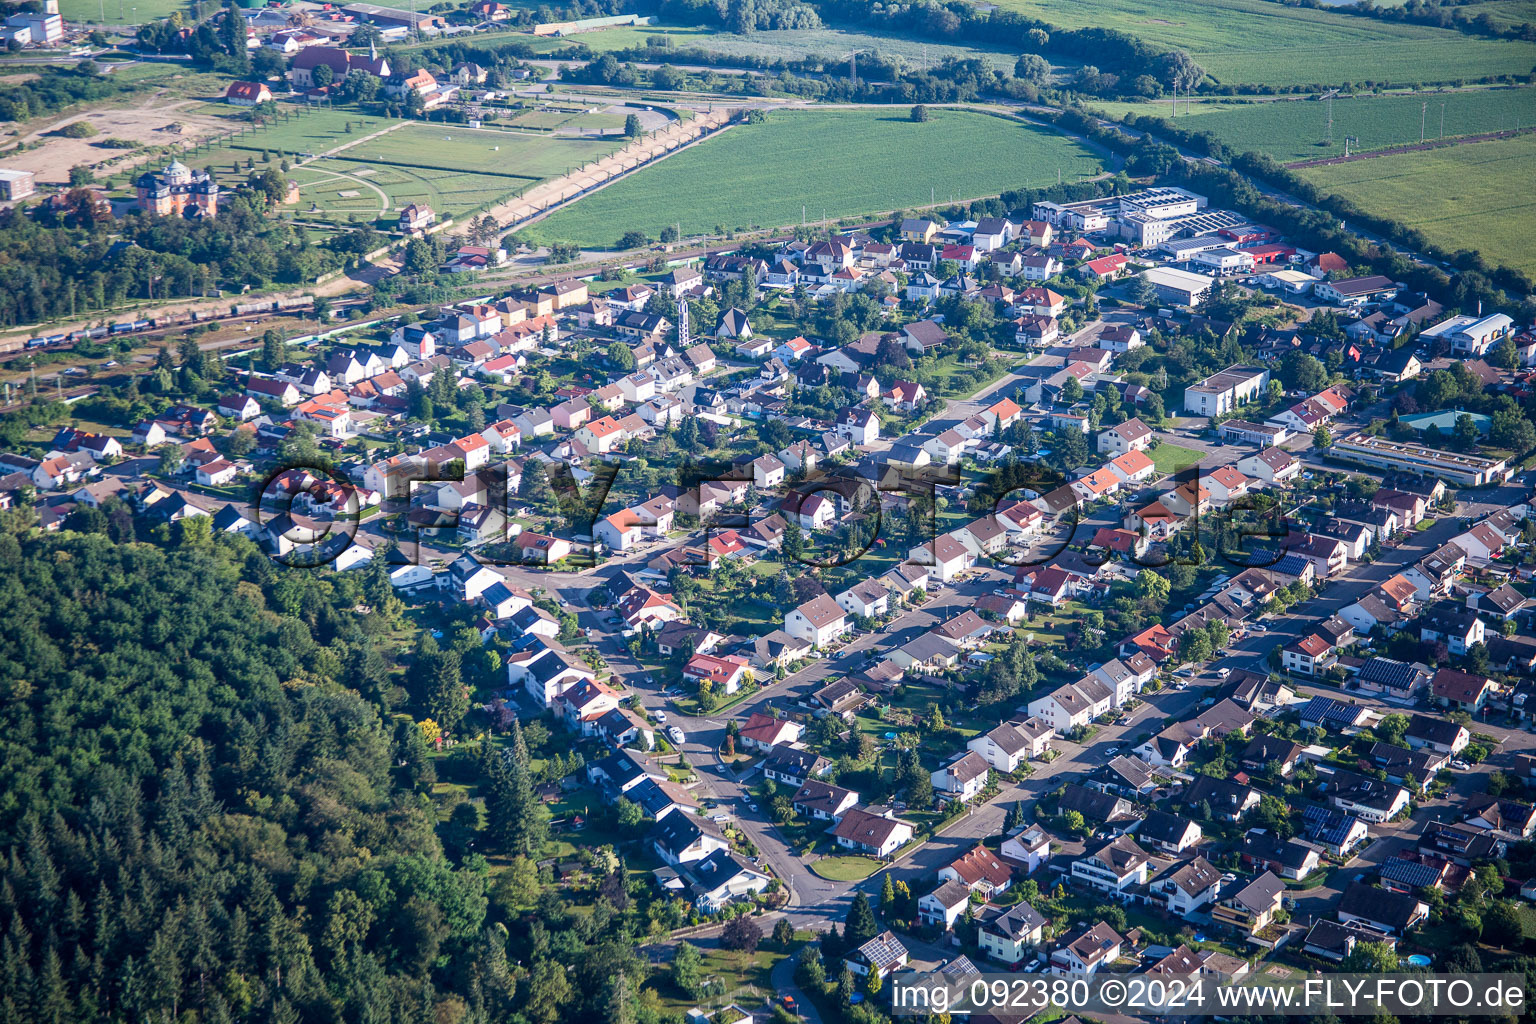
(1222, 392)
(1380, 453)
(1178, 287)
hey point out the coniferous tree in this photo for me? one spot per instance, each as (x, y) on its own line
(859, 927)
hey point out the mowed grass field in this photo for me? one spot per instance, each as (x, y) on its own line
(1241, 41)
(1293, 129)
(120, 12)
(454, 169)
(314, 131)
(342, 188)
(839, 163)
(486, 151)
(1474, 196)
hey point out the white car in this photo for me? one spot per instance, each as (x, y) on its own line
(675, 735)
(660, 716)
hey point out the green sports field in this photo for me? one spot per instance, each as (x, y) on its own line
(454, 169)
(1265, 43)
(485, 150)
(1291, 130)
(838, 163)
(1472, 196)
(120, 12)
(343, 188)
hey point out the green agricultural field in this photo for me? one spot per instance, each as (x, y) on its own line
(794, 44)
(1506, 13)
(1291, 130)
(762, 174)
(120, 12)
(1268, 43)
(1473, 196)
(485, 150)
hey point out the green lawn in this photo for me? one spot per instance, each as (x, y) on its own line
(487, 151)
(120, 12)
(762, 174)
(743, 978)
(1268, 43)
(348, 190)
(845, 869)
(311, 131)
(1170, 458)
(1295, 129)
(1475, 196)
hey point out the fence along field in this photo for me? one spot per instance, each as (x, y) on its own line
(1472, 196)
(1290, 130)
(1265, 43)
(837, 163)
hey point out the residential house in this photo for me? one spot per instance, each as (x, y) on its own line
(963, 778)
(1393, 913)
(818, 621)
(1112, 866)
(1009, 936)
(1168, 833)
(1086, 950)
(1187, 886)
(822, 801)
(1252, 906)
(878, 835)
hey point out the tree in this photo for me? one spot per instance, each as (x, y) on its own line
(1074, 821)
(271, 350)
(1032, 67)
(783, 933)
(1371, 958)
(1153, 587)
(1510, 429)
(622, 356)
(859, 927)
(919, 112)
(548, 992)
(1180, 70)
(1072, 391)
(688, 969)
(1300, 371)
(1501, 924)
(633, 240)
(322, 75)
(1141, 292)
(448, 698)
(1322, 437)
(742, 934)
(171, 458)
(515, 816)
(1391, 729)
(1503, 354)
(632, 127)
(1464, 435)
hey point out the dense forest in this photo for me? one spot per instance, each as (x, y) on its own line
(208, 815)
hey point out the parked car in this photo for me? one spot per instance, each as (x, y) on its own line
(660, 716)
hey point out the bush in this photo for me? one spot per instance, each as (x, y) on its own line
(78, 130)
